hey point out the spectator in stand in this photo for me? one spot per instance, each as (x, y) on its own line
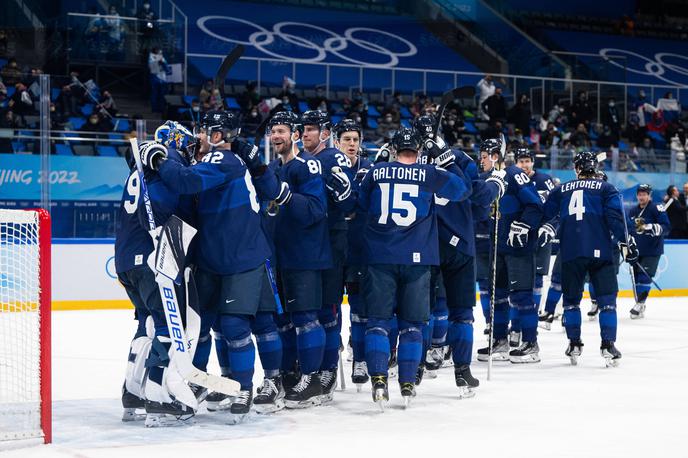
(646, 155)
(289, 94)
(11, 74)
(658, 123)
(418, 105)
(215, 101)
(676, 211)
(607, 139)
(493, 130)
(359, 111)
(520, 113)
(157, 67)
(550, 137)
(11, 121)
(395, 112)
(96, 124)
(66, 103)
(386, 128)
(452, 129)
(251, 123)
(581, 111)
(191, 117)
(147, 24)
(580, 138)
(682, 196)
(21, 101)
(206, 91)
(3, 43)
(668, 104)
(486, 89)
(611, 118)
(320, 99)
(495, 107)
(251, 98)
(107, 104)
(396, 100)
(113, 25)
(3, 92)
(678, 151)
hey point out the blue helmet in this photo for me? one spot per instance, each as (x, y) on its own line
(316, 118)
(425, 125)
(286, 118)
(406, 139)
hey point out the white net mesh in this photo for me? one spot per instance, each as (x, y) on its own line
(19, 325)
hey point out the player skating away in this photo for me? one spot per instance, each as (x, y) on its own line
(336, 169)
(347, 139)
(158, 388)
(302, 246)
(519, 219)
(457, 257)
(590, 213)
(401, 243)
(232, 247)
(650, 223)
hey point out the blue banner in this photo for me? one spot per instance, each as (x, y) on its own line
(71, 178)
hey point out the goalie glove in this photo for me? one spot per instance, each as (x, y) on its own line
(498, 178)
(518, 234)
(152, 154)
(339, 184)
(546, 234)
(284, 196)
(629, 250)
(441, 154)
(383, 154)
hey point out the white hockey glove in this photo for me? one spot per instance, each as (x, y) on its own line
(383, 154)
(653, 230)
(152, 154)
(546, 234)
(285, 194)
(441, 154)
(630, 250)
(498, 178)
(339, 184)
(518, 234)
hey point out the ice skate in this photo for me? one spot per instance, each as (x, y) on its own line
(304, 394)
(167, 414)
(594, 310)
(380, 391)
(611, 355)
(393, 368)
(433, 361)
(408, 392)
(420, 372)
(328, 382)
(545, 320)
(574, 350)
(500, 351)
(199, 391)
(240, 407)
(465, 381)
(448, 361)
(514, 339)
(528, 352)
(638, 311)
(289, 379)
(132, 406)
(217, 401)
(359, 374)
(486, 331)
(270, 396)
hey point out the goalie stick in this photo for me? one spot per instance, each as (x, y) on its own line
(463, 92)
(175, 237)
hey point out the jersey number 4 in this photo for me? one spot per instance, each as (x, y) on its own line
(576, 205)
(403, 211)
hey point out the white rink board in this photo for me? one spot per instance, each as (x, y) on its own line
(545, 410)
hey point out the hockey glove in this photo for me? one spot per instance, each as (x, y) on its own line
(653, 230)
(339, 185)
(518, 234)
(360, 175)
(441, 154)
(383, 154)
(629, 250)
(152, 154)
(284, 196)
(250, 155)
(546, 234)
(498, 178)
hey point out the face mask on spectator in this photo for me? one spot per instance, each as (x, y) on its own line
(196, 108)
(451, 122)
(611, 104)
(388, 119)
(254, 114)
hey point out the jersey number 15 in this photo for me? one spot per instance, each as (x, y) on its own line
(399, 205)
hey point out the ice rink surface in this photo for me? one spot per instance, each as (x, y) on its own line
(550, 409)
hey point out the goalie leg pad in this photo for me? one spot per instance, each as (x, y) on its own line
(136, 366)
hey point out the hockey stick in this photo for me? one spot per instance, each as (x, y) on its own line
(169, 256)
(494, 265)
(642, 269)
(630, 270)
(273, 284)
(222, 71)
(456, 93)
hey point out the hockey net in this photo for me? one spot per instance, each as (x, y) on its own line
(25, 403)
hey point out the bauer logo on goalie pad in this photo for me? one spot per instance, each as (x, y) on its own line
(175, 322)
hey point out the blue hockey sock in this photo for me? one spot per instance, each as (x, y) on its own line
(572, 321)
(358, 327)
(460, 335)
(514, 318)
(537, 291)
(393, 333)
(553, 297)
(426, 332)
(484, 299)
(242, 353)
(329, 321)
(269, 343)
(287, 334)
(377, 346)
(310, 341)
(501, 314)
(441, 316)
(608, 320)
(221, 349)
(410, 350)
(205, 343)
(527, 314)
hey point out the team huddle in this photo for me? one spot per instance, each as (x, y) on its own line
(406, 235)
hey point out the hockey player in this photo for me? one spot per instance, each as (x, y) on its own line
(303, 252)
(401, 243)
(337, 174)
(650, 223)
(589, 212)
(525, 160)
(520, 216)
(232, 247)
(457, 258)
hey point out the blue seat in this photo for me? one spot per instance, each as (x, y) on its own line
(188, 99)
(54, 93)
(122, 125)
(106, 150)
(18, 147)
(405, 113)
(10, 91)
(659, 141)
(87, 109)
(336, 118)
(470, 127)
(76, 122)
(115, 136)
(372, 123)
(337, 107)
(63, 150)
(303, 106)
(405, 123)
(232, 103)
(372, 111)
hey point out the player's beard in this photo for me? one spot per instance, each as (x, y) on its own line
(283, 148)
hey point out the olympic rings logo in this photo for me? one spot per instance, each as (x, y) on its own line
(658, 68)
(334, 44)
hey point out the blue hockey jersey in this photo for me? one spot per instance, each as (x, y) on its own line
(649, 245)
(357, 223)
(589, 212)
(336, 211)
(520, 202)
(230, 236)
(300, 230)
(401, 222)
(543, 184)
